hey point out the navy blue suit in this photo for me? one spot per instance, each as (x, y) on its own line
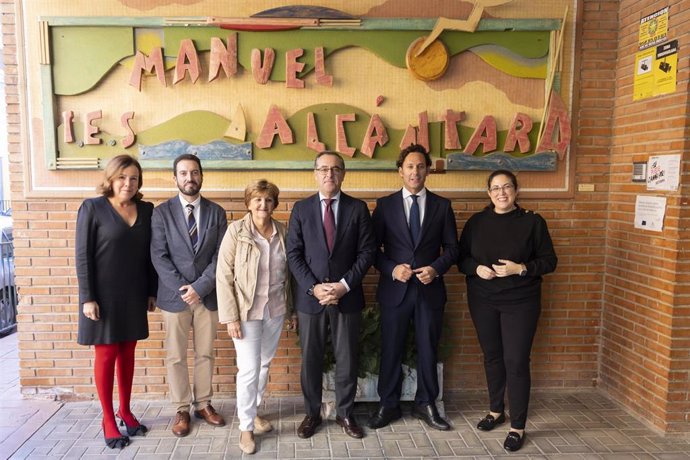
(401, 302)
(311, 263)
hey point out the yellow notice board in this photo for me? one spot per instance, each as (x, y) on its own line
(653, 28)
(655, 71)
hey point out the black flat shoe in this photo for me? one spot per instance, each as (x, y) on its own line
(133, 430)
(384, 416)
(490, 422)
(429, 415)
(114, 443)
(514, 441)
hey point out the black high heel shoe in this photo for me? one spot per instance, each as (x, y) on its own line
(113, 443)
(133, 430)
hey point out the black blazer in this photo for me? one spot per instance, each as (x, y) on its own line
(310, 261)
(395, 246)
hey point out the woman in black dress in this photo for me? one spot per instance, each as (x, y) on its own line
(117, 286)
(504, 251)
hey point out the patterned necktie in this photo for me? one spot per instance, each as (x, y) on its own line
(329, 223)
(191, 226)
(414, 219)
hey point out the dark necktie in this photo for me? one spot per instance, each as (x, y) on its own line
(191, 226)
(329, 223)
(414, 219)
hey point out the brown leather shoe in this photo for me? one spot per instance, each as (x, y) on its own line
(350, 426)
(210, 415)
(181, 425)
(308, 426)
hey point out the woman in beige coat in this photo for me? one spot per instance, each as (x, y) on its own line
(253, 287)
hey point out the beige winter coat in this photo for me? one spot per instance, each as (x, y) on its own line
(237, 271)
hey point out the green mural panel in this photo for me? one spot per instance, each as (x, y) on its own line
(83, 55)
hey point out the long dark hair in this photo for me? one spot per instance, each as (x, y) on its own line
(502, 172)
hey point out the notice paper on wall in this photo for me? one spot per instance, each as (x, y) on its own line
(663, 172)
(649, 212)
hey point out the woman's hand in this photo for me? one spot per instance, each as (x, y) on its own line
(508, 268)
(152, 304)
(485, 272)
(234, 330)
(91, 310)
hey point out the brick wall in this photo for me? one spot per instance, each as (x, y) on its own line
(644, 362)
(615, 312)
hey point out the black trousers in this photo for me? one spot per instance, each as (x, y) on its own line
(344, 330)
(395, 322)
(506, 333)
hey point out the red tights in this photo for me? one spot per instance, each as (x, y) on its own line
(107, 358)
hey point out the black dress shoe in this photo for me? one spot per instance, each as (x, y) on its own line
(490, 422)
(514, 441)
(429, 414)
(308, 426)
(350, 426)
(384, 416)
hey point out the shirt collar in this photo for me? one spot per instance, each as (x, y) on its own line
(406, 193)
(336, 197)
(184, 202)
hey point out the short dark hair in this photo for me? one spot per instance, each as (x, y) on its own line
(329, 152)
(187, 156)
(114, 167)
(413, 148)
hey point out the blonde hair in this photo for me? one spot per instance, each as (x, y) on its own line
(260, 187)
(114, 167)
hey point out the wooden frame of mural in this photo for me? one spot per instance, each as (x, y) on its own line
(293, 52)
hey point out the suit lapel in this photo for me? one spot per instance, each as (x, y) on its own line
(400, 218)
(202, 225)
(318, 222)
(429, 213)
(342, 219)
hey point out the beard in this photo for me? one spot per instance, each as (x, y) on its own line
(190, 188)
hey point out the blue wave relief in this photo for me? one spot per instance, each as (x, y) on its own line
(216, 150)
(545, 161)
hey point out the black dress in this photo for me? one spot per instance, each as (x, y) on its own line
(114, 269)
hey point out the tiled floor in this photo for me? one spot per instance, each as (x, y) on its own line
(579, 425)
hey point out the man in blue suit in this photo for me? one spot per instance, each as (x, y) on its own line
(330, 247)
(417, 240)
(186, 233)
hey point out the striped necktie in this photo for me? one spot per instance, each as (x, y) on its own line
(191, 227)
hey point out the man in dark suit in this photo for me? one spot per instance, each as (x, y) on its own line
(417, 239)
(330, 247)
(186, 233)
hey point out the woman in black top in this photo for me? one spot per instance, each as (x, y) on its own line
(504, 251)
(117, 285)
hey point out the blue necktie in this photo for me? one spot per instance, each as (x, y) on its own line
(415, 225)
(191, 226)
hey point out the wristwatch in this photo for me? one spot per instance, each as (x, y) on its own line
(523, 272)
(310, 291)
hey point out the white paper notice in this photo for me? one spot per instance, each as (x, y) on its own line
(663, 172)
(649, 212)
